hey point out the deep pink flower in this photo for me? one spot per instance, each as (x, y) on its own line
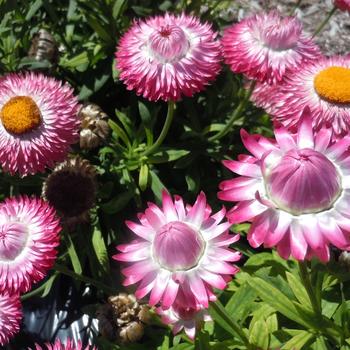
(28, 240)
(60, 346)
(183, 315)
(266, 46)
(168, 56)
(179, 247)
(294, 190)
(38, 122)
(10, 316)
(324, 87)
(343, 5)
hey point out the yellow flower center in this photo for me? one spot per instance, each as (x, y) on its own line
(20, 115)
(333, 84)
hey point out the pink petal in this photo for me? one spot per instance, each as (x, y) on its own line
(298, 244)
(305, 137)
(245, 211)
(196, 214)
(168, 207)
(142, 231)
(240, 168)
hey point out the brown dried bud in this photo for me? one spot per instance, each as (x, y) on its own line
(94, 126)
(44, 47)
(125, 316)
(71, 190)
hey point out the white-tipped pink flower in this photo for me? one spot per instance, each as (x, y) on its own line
(70, 345)
(295, 191)
(324, 87)
(184, 316)
(343, 5)
(265, 46)
(28, 240)
(168, 56)
(179, 247)
(10, 316)
(38, 122)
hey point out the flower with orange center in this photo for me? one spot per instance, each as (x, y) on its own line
(38, 122)
(324, 87)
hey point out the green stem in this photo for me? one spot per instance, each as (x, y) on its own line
(164, 132)
(221, 311)
(62, 269)
(305, 278)
(321, 26)
(295, 7)
(235, 115)
(36, 291)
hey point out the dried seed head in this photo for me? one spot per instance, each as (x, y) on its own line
(125, 316)
(44, 47)
(94, 126)
(71, 190)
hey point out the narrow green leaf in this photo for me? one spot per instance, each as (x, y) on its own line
(125, 120)
(143, 177)
(259, 335)
(119, 132)
(73, 254)
(298, 341)
(165, 156)
(48, 285)
(118, 8)
(145, 114)
(33, 9)
(272, 323)
(165, 344)
(117, 203)
(100, 249)
(298, 289)
(157, 185)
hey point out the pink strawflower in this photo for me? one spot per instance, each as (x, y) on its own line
(179, 247)
(60, 346)
(38, 122)
(168, 56)
(265, 46)
(294, 191)
(28, 239)
(324, 87)
(184, 316)
(10, 316)
(343, 5)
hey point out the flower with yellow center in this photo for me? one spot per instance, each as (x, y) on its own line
(324, 87)
(38, 122)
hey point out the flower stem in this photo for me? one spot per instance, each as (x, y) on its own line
(164, 132)
(321, 26)
(62, 269)
(235, 115)
(220, 311)
(305, 278)
(295, 7)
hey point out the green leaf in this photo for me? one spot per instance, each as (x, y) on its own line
(145, 114)
(73, 254)
(125, 120)
(143, 177)
(298, 341)
(157, 185)
(76, 61)
(100, 249)
(298, 289)
(119, 132)
(259, 335)
(48, 285)
(272, 323)
(117, 203)
(276, 299)
(165, 156)
(118, 8)
(165, 344)
(34, 9)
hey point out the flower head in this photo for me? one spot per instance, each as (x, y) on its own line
(69, 346)
(180, 248)
(168, 56)
(28, 239)
(294, 190)
(324, 87)
(71, 190)
(184, 316)
(10, 316)
(343, 5)
(266, 46)
(38, 122)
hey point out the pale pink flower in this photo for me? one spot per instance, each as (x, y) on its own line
(294, 190)
(168, 56)
(38, 122)
(28, 239)
(324, 87)
(60, 346)
(179, 247)
(265, 46)
(184, 316)
(10, 316)
(343, 5)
